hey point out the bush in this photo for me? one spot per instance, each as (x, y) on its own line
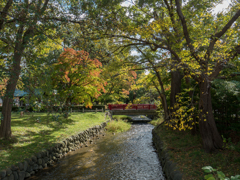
(118, 126)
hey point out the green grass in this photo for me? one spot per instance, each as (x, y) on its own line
(37, 131)
(157, 121)
(118, 126)
(121, 117)
(187, 152)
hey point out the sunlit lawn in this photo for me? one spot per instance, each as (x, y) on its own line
(37, 131)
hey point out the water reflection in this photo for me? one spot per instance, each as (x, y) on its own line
(128, 155)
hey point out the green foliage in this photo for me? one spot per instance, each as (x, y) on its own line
(226, 104)
(118, 126)
(185, 112)
(217, 175)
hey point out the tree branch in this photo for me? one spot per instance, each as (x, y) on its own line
(215, 37)
(4, 12)
(186, 33)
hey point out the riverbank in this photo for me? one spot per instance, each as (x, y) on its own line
(35, 132)
(186, 152)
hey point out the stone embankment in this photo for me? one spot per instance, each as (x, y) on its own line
(169, 167)
(41, 160)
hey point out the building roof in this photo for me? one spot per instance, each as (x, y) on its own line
(19, 93)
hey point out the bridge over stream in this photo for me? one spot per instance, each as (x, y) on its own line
(137, 112)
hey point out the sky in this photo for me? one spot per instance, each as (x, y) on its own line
(218, 8)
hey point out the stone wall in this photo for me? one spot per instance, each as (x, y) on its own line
(31, 165)
(169, 167)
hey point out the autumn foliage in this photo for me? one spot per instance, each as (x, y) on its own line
(77, 77)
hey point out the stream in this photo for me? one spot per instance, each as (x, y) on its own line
(123, 156)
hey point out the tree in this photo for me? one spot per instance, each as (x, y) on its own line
(120, 77)
(200, 44)
(76, 77)
(23, 24)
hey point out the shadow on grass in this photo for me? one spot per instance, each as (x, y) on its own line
(25, 143)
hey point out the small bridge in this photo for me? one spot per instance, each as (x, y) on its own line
(133, 109)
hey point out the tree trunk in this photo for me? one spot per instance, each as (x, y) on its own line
(210, 136)
(163, 96)
(176, 78)
(5, 128)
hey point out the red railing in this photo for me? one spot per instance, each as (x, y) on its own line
(131, 107)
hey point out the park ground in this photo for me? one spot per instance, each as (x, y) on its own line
(38, 131)
(186, 151)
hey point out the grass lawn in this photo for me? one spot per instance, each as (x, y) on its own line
(37, 131)
(187, 152)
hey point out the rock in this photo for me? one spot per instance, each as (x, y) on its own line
(45, 165)
(47, 153)
(57, 155)
(35, 167)
(46, 173)
(27, 175)
(43, 162)
(8, 172)
(11, 177)
(21, 175)
(177, 176)
(6, 178)
(34, 159)
(14, 168)
(3, 174)
(40, 161)
(20, 166)
(39, 155)
(25, 165)
(29, 169)
(32, 173)
(15, 174)
(40, 167)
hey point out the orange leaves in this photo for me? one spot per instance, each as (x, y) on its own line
(134, 74)
(124, 91)
(76, 72)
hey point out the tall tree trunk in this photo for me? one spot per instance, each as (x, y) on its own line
(5, 128)
(210, 136)
(176, 78)
(163, 96)
(164, 102)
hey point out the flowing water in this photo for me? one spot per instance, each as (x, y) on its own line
(128, 155)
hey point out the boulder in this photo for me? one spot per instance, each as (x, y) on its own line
(25, 165)
(39, 161)
(20, 166)
(3, 174)
(27, 174)
(15, 174)
(8, 172)
(21, 175)
(11, 177)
